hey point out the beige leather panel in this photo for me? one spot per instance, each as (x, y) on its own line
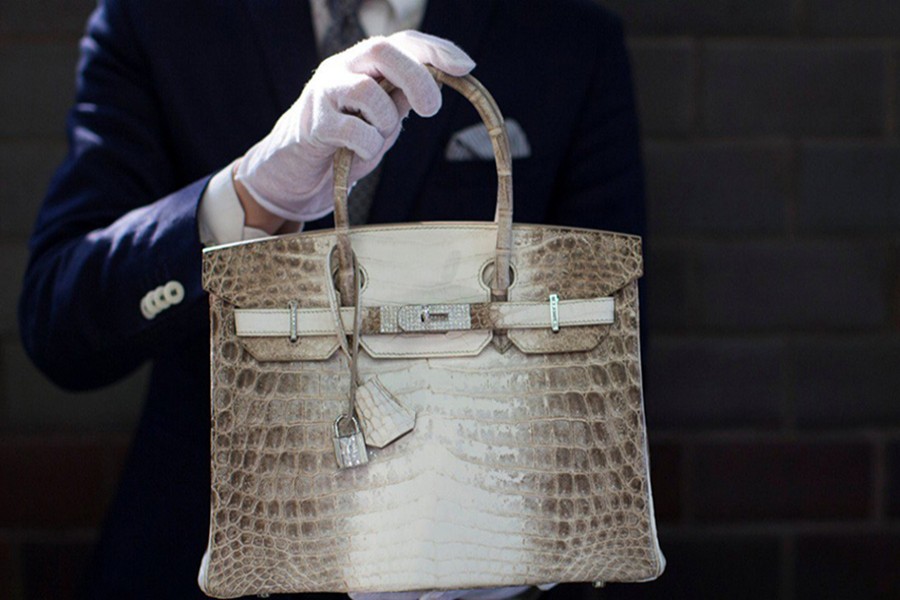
(270, 272)
(411, 345)
(283, 350)
(392, 261)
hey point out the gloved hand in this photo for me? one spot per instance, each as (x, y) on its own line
(289, 172)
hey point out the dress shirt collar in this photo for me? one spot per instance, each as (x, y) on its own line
(403, 9)
(377, 17)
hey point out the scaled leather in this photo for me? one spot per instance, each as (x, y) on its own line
(171, 92)
(523, 467)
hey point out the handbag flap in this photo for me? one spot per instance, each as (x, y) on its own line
(423, 264)
(573, 264)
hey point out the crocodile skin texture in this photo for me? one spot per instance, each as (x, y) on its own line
(522, 468)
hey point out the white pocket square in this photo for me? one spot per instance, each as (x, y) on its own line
(474, 143)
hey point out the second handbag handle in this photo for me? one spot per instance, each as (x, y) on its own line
(484, 103)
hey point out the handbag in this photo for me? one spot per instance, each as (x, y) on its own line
(427, 406)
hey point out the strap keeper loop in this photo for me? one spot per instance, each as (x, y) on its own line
(554, 313)
(293, 331)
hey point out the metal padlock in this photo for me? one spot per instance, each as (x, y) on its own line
(350, 450)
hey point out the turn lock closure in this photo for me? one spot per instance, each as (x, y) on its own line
(413, 318)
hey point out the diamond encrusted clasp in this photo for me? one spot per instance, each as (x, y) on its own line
(434, 317)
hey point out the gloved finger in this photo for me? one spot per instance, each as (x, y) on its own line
(364, 96)
(401, 103)
(381, 58)
(340, 130)
(361, 168)
(432, 50)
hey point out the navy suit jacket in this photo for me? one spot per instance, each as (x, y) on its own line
(171, 91)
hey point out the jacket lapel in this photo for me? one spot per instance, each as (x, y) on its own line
(284, 31)
(406, 164)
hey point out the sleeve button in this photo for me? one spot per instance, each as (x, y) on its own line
(146, 308)
(174, 292)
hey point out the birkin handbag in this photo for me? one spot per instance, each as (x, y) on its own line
(426, 406)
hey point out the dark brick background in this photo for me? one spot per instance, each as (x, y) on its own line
(773, 368)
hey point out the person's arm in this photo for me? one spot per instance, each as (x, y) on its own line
(114, 273)
(113, 227)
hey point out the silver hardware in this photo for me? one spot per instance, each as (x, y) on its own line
(599, 584)
(388, 317)
(293, 306)
(554, 313)
(434, 317)
(349, 450)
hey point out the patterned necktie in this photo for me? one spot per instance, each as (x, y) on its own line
(344, 31)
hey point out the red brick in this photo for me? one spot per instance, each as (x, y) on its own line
(896, 92)
(56, 483)
(705, 16)
(54, 570)
(823, 88)
(710, 568)
(25, 170)
(893, 480)
(849, 187)
(10, 581)
(12, 264)
(64, 18)
(718, 188)
(848, 566)
(791, 286)
(664, 76)
(38, 83)
(714, 383)
(846, 381)
(860, 17)
(762, 481)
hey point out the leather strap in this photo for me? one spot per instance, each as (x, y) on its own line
(426, 318)
(487, 108)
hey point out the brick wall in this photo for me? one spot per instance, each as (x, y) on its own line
(773, 372)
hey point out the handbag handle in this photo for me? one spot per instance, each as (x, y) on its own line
(487, 108)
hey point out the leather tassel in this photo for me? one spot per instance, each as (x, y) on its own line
(382, 417)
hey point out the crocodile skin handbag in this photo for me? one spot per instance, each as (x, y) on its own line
(427, 406)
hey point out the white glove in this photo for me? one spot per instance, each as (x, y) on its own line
(289, 172)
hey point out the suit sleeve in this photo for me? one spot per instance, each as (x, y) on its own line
(115, 225)
(602, 182)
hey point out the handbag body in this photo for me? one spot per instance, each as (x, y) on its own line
(493, 371)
